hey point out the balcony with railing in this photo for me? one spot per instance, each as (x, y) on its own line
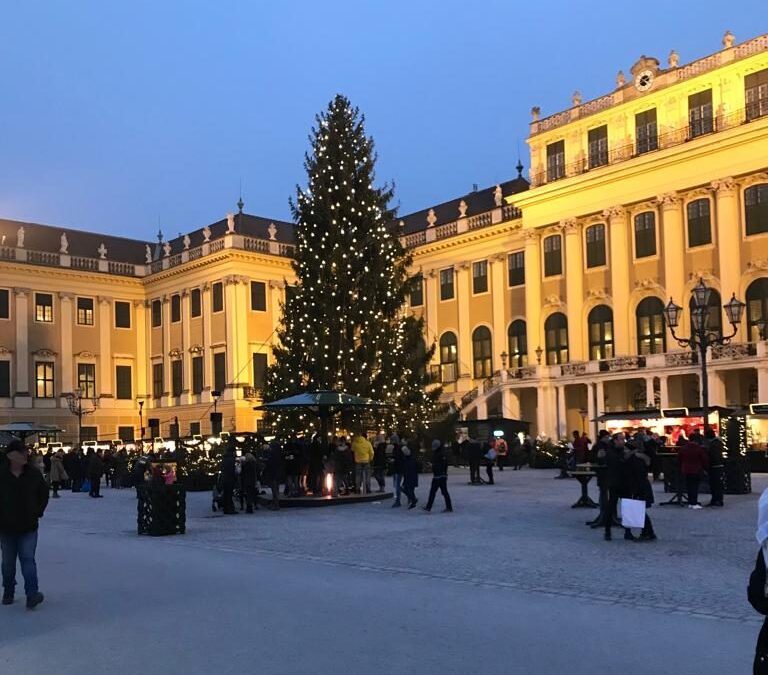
(668, 138)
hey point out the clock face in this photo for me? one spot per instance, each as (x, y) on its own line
(644, 80)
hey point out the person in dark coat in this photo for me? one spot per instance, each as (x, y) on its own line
(715, 450)
(756, 591)
(692, 459)
(439, 477)
(95, 472)
(398, 468)
(73, 465)
(273, 472)
(473, 451)
(613, 459)
(228, 471)
(248, 471)
(380, 461)
(23, 498)
(635, 485)
(410, 475)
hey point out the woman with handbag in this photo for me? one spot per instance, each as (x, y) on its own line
(756, 591)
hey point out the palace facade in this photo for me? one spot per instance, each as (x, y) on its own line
(544, 296)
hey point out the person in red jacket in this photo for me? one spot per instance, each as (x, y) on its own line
(692, 459)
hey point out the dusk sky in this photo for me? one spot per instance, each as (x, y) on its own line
(115, 117)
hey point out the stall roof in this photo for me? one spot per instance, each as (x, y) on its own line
(655, 413)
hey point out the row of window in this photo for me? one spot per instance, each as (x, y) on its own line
(650, 324)
(84, 309)
(699, 227)
(258, 302)
(700, 122)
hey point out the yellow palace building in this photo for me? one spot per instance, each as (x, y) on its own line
(544, 296)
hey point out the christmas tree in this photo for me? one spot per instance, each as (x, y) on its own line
(343, 326)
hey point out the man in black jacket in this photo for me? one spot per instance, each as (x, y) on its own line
(23, 498)
(439, 477)
(716, 468)
(228, 479)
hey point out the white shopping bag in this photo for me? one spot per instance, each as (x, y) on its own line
(632, 513)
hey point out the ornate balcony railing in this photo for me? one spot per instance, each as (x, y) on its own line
(675, 359)
(622, 363)
(574, 368)
(734, 351)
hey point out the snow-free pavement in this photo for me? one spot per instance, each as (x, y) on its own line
(512, 582)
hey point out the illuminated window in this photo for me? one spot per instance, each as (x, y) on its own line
(481, 353)
(600, 326)
(517, 344)
(757, 308)
(651, 329)
(449, 357)
(86, 379)
(44, 379)
(85, 311)
(556, 338)
(44, 308)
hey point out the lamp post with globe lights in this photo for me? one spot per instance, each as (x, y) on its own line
(702, 336)
(81, 405)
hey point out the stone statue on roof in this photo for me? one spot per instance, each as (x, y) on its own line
(147, 254)
(102, 251)
(167, 249)
(462, 209)
(63, 244)
(206, 233)
(431, 218)
(187, 242)
(498, 197)
(20, 237)
(272, 230)
(230, 223)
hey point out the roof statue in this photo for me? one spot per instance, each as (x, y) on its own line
(187, 242)
(147, 254)
(167, 249)
(272, 231)
(498, 197)
(230, 223)
(102, 251)
(64, 243)
(206, 233)
(20, 237)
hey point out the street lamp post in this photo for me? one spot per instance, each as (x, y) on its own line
(141, 418)
(75, 401)
(702, 338)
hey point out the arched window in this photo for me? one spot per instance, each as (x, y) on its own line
(699, 223)
(645, 234)
(556, 338)
(481, 353)
(757, 307)
(449, 357)
(756, 208)
(651, 328)
(600, 323)
(517, 344)
(715, 316)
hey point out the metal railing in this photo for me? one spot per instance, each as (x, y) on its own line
(669, 138)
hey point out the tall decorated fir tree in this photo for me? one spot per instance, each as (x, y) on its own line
(343, 326)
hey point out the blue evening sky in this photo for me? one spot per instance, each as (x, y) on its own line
(117, 116)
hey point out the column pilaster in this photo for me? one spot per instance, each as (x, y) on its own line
(430, 297)
(166, 399)
(465, 339)
(574, 279)
(673, 247)
(207, 353)
(728, 219)
(186, 356)
(105, 347)
(663, 391)
(532, 293)
(142, 353)
(22, 395)
(66, 342)
(620, 261)
(498, 298)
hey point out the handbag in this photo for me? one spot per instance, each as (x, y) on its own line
(86, 486)
(632, 513)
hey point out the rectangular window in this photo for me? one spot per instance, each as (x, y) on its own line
(157, 380)
(480, 277)
(555, 160)
(5, 303)
(175, 308)
(417, 291)
(217, 293)
(195, 304)
(194, 428)
(258, 296)
(123, 383)
(176, 378)
(516, 268)
(699, 225)
(89, 433)
(700, 113)
(756, 209)
(645, 234)
(197, 374)
(259, 371)
(756, 94)
(446, 284)
(646, 134)
(122, 314)
(44, 308)
(595, 236)
(157, 314)
(44, 379)
(85, 311)
(5, 379)
(220, 372)
(125, 434)
(598, 146)
(553, 261)
(86, 379)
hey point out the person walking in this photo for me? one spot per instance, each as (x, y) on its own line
(363, 450)
(473, 452)
(398, 468)
(692, 460)
(613, 458)
(715, 450)
(635, 485)
(57, 473)
(502, 451)
(23, 498)
(95, 471)
(248, 471)
(489, 456)
(581, 445)
(439, 477)
(228, 471)
(758, 584)
(410, 475)
(599, 451)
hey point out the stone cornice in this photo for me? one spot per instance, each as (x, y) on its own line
(466, 238)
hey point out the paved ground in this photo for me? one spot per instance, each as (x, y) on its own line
(512, 582)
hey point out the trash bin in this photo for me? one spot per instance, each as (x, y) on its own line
(162, 509)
